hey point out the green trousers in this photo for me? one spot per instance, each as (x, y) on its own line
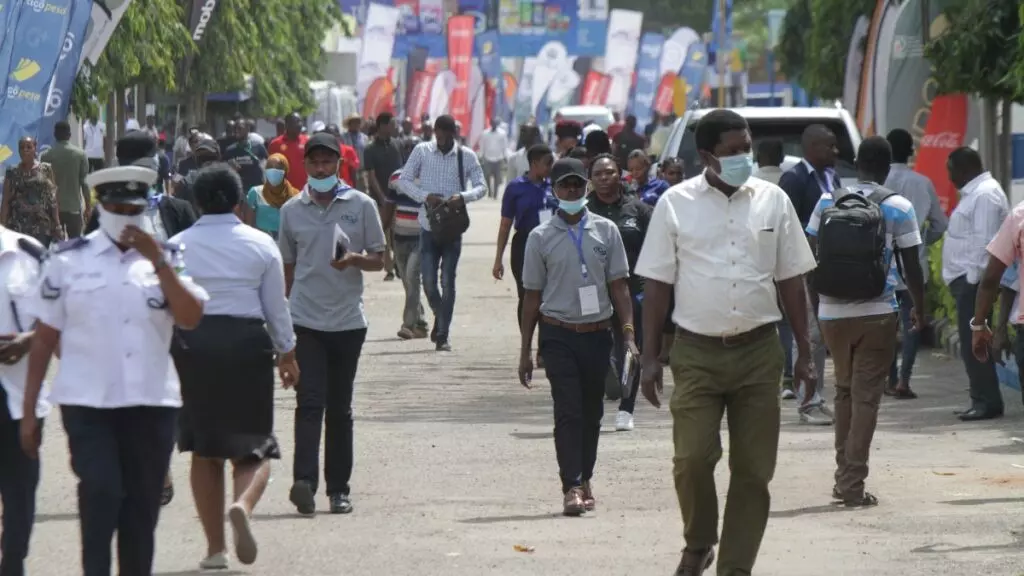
(711, 379)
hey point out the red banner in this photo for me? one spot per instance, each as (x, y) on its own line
(595, 89)
(380, 97)
(419, 103)
(944, 132)
(460, 61)
(666, 91)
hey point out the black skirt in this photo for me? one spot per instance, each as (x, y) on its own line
(226, 368)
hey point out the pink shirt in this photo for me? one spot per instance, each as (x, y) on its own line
(1006, 245)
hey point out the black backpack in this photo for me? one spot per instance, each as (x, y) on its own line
(447, 221)
(851, 247)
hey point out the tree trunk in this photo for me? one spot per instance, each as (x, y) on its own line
(1005, 147)
(111, 137)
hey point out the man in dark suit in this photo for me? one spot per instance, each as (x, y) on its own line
(815, 174)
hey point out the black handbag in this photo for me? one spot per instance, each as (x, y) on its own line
(448, 222)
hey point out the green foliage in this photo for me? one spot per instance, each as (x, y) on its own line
(278, 42)
(982, 51)
(940, 300)
(750, 22)
(829, 41)
(792, 50)
(144, 49)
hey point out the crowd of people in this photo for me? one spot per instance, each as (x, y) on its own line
(741, 279)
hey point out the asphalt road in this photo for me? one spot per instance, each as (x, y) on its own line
(455, 467)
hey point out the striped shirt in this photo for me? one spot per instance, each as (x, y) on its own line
(973, 224)
(429, 171)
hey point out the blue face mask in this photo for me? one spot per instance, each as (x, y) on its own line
(274, 176)
(572, 207)
(323, 184)
(736, 170)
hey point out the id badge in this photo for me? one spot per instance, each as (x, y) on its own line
(588, 300)
(543, 215)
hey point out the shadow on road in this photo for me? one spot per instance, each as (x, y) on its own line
(502, 519)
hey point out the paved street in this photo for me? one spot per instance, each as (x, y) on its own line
(455, 467)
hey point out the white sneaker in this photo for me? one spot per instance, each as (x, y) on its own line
(815, 417)
(218, 561)
(827, 412)
(788, 394)
(623, 421)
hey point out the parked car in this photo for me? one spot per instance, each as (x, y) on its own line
(599, 115)
(784, 123)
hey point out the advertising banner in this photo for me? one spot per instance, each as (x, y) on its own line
(721, 33)
(440, 94)
(621, 54)
(866, 96)
(39, 33)
(460, 62)
(419, 96)
(854, 65)
(945, 132)
(416, 63)
(694, 71)
(664, 98)
(648, 78)
(380, 97)
(494, 75)
(378, 41)
(591, 28)
(595, 89)
(103, 20)
(880, 68)
(58, 96)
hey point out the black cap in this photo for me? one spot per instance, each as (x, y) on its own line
(323, 140)
(207, 145)
(567, 168)
(137, 148)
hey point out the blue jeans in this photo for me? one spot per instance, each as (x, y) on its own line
(445, 257)
(911, 340)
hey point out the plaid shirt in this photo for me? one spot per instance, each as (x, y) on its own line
(428, 171)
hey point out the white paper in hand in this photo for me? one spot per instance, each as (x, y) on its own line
(340, 244)
(630, 365)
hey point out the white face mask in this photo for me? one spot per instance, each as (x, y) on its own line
(114, 224)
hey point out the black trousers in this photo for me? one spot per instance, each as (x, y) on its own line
(19, 477)
(96, 164)
(516, 259)
(328, 362)
(120, 456)
(985, 394)
(628, 403)
(576, 366)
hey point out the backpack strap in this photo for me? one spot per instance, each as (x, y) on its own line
(879, 199)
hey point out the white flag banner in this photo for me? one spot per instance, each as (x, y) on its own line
(105, 16)
(551, 59)
(624, 27)
(444, 85)
(378, 44)
(673, 53)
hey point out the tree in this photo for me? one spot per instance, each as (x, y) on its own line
(793, 51)
(982, 50)
(277, 42)
(145, 48)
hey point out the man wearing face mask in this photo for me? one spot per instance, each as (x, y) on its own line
(727, 243)
(329, 235)
(574, 271)
(164, 215)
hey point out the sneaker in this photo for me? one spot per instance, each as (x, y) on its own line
(245, 543)
(788, 394)
(340, 504)
(623, 421)
(218, 561)
(443, 346)
(572, 504)
(827, 412)
(419, 332)
(301, 495)
(815, 417)
(389, 277)
(406, 334)
(589, 502)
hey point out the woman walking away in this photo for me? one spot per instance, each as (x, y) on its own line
(227, 363)
(263, 203)
(29, 203)
(111, 300)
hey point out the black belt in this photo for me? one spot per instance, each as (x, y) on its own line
(582, 328)
(731, 340)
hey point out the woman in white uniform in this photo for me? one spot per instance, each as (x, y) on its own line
(111, 299)
(227, 363)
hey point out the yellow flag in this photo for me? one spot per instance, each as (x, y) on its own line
(680, 96)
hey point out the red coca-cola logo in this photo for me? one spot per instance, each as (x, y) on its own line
(947, 140)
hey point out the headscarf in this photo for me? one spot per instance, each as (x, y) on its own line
(276, 196)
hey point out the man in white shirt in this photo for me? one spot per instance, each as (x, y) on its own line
(731, 245)
(769, 160)
(493, 152)
(93, 133)
(973, 224)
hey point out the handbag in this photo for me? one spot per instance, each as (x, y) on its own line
(448, 221)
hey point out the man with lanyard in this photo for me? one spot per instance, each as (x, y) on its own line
(245, 157)
(574, 271)
(329, 235)
(647, 189)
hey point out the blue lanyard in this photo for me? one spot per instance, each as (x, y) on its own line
(578, 242)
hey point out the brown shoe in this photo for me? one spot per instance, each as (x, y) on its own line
(589, 503)
(419, 332)
(694, 563)
(572, 505)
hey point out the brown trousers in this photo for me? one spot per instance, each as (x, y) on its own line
(861, 355)
(712, 379)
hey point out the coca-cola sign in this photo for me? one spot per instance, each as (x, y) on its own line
(946, 140)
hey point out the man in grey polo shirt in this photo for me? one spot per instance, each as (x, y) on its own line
(325, 290)
(574, 270)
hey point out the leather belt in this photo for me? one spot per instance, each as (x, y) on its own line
(731, 340)
(582, 328)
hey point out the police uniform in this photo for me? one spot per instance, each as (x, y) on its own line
(116, 384)
(572, 266)
(19, 474)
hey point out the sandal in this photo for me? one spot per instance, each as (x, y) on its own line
(866, 500)
(167, 494)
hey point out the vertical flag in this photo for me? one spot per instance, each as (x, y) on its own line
(621, 54)
(460, 60)
(494, 74)
(694, 71)
(721, 34)
(416, 64)
(647, 68)
(105, 15)
(944, 132)
(595, 89)
(378, 43)
(58, 96)
(199, 20)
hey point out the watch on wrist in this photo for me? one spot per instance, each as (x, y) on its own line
(160, 264)
(979, 327)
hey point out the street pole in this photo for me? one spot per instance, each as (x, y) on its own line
(771, 77)
(722, 54)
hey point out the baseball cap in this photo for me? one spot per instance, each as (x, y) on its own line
(137, 148)
(207, 145)
(323, 140)
(567, 168)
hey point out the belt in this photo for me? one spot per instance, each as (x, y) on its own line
(583, 328)
(731, 340)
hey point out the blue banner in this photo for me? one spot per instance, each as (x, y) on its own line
(720, 36)
(487, 46)
(58, 99)
(38, 40)
(693, 71)
(648, 64)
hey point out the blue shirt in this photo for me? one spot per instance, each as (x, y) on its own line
(523, 200)
(651, 191)
(1011, 280)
